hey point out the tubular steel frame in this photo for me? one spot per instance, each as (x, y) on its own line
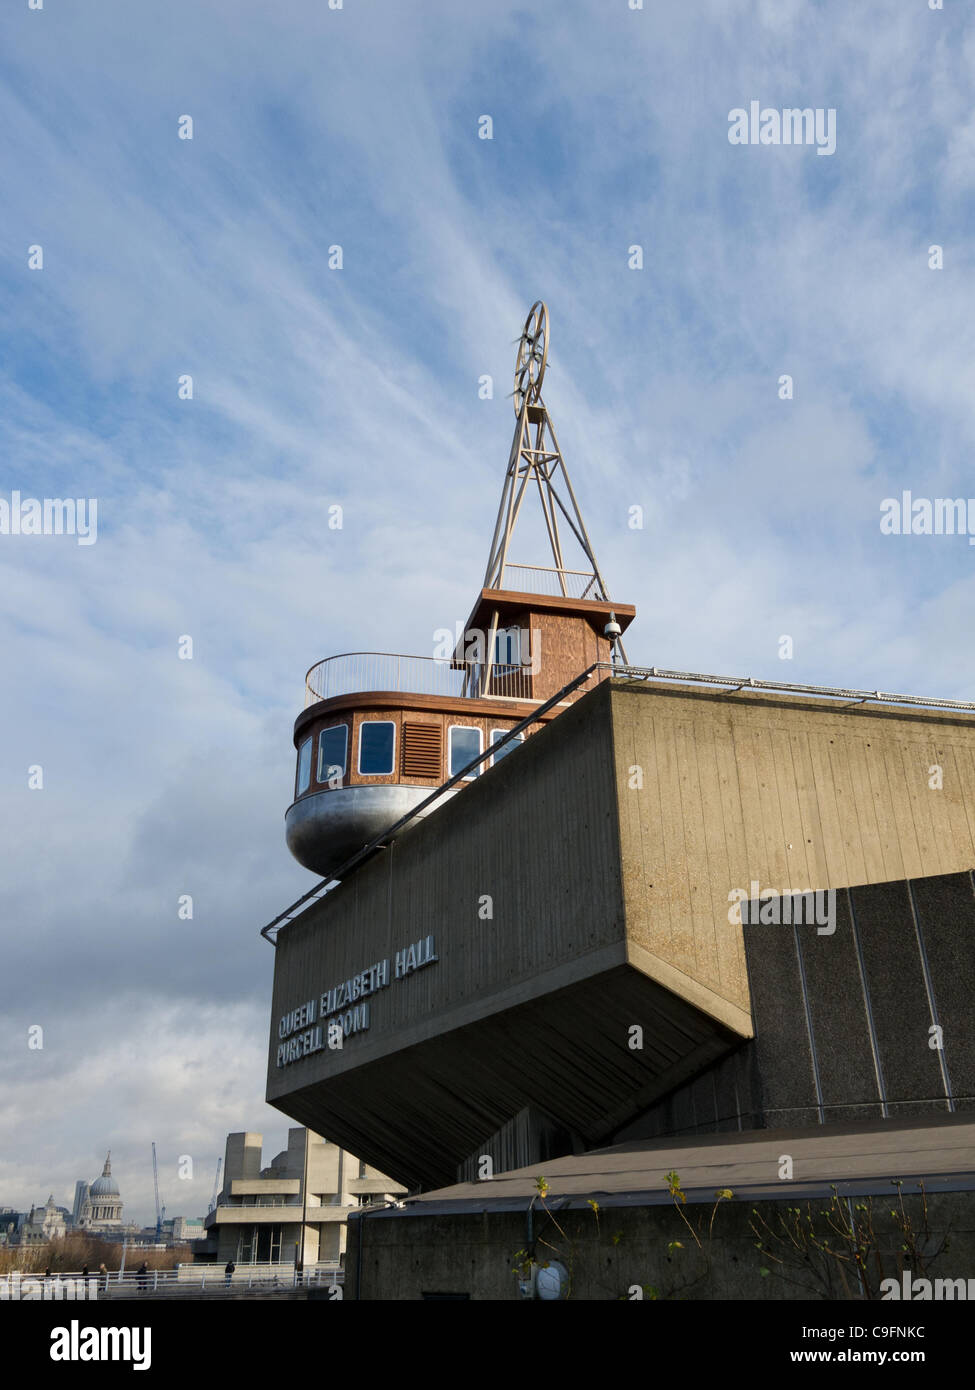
(536, 456)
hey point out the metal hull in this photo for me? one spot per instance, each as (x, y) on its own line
(325, 829)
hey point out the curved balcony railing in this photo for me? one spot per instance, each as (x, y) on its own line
(362, 672)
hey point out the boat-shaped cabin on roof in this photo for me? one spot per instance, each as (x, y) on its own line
(381, 732)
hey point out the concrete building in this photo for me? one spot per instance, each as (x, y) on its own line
(80, 1196)
(181, 1230)
(294, 1209)
(10, 1221)
(173, 1230)
(685, 905)
(42, 1224)
(641, 819)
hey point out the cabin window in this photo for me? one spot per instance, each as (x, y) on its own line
(509, 747)
(304, 767)
(332, 744)
(465, 744)
(377, 738)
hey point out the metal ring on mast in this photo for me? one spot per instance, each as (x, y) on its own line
(532, 356)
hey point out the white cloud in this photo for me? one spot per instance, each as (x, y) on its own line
(360, 387)
(122, 1077)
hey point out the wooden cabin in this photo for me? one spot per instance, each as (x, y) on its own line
(380, 732)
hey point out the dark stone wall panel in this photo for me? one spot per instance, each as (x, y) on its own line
(898, 998)
(946, 912)
(784, 1056)
(770, 1082)
(838, 1013)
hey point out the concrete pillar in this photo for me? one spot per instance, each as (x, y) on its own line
(242, 1158)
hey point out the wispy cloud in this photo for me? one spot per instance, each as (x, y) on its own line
(314, 386)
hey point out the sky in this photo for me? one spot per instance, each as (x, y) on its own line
(360, 386)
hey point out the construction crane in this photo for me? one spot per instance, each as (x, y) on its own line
(160, 1211)
(216, 1185)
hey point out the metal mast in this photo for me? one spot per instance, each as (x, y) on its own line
(536, 457)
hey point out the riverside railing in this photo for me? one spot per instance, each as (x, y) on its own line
(184, 1281)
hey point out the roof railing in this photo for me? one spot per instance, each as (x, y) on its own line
(549, 582)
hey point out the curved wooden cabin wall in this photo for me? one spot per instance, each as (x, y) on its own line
(400, 715)
(562, 646)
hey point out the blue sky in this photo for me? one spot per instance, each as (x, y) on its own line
(358, 127)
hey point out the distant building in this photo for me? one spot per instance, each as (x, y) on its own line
(175, 1230)
(98, 1206)
(43, 1224)
(185, 1229)
(97, 1211)
(261, 1211)
(80, 1196)
(10, 1221)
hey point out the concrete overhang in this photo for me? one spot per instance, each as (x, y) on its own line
(283, 1215)
(264, 1187)
(368, 1187)
(537, 997)
(255, 1215)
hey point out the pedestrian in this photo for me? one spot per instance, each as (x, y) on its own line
(84, 1271)
(299, 1268)
(143, 1276)
(228, 1270)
